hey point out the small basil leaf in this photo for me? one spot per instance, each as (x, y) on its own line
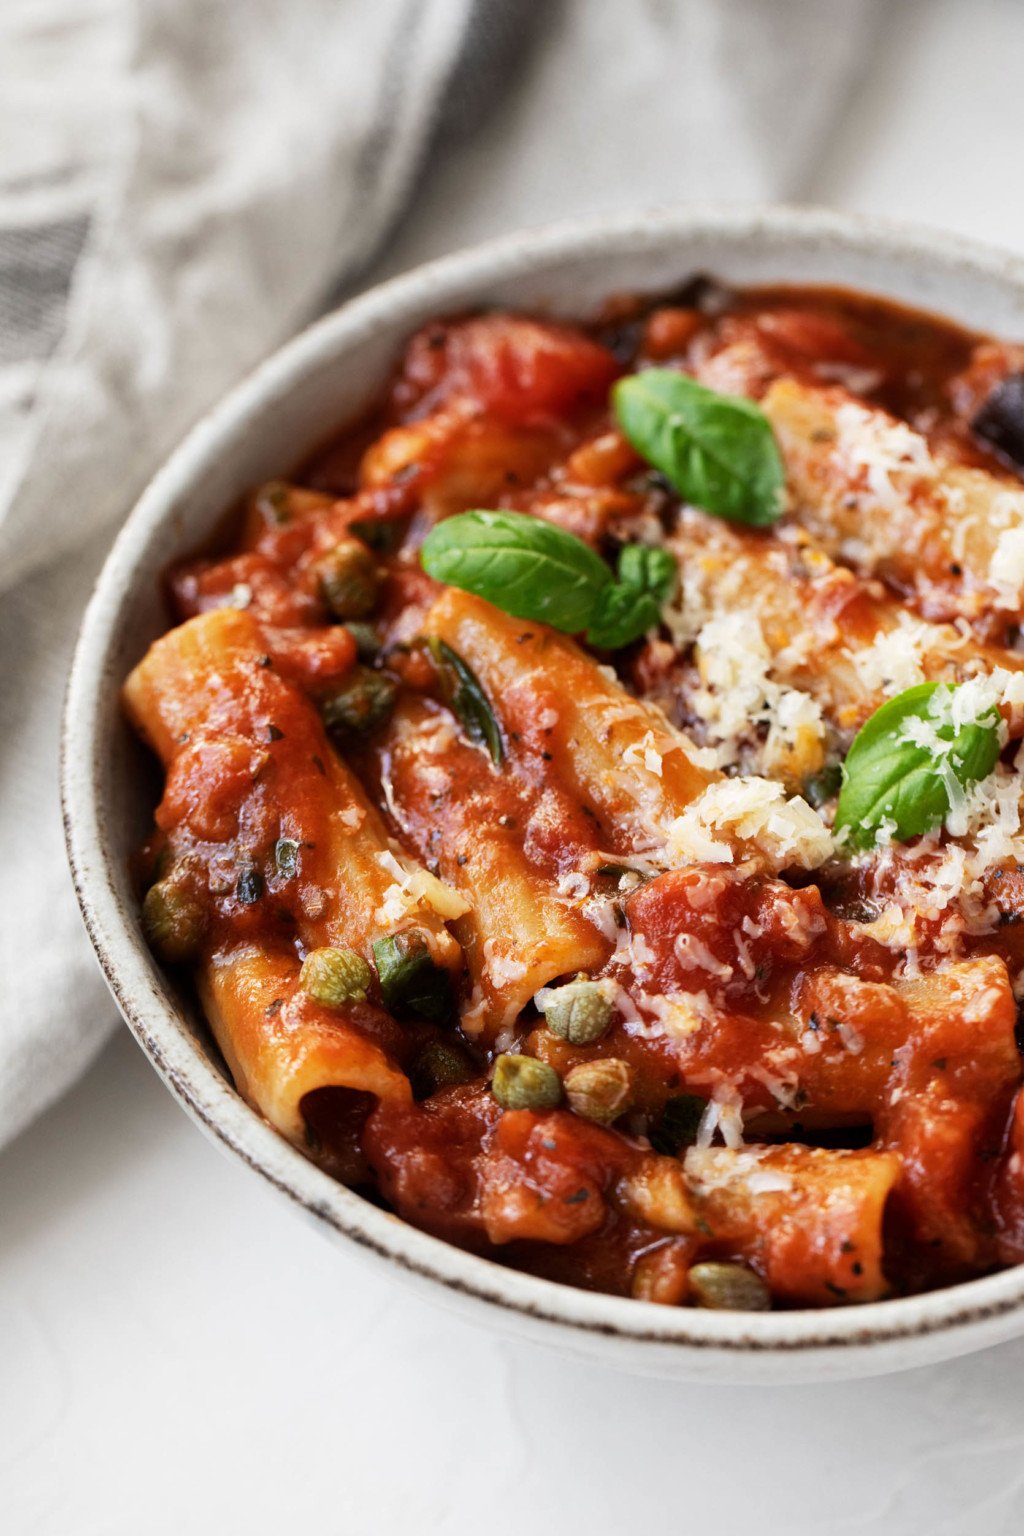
(410, 981)
(909, 761)
(468, 700)
(623, 614)
(718, 451)
(649, 568)
(522, 564)
(631, 606)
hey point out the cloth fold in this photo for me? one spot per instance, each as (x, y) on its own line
(186, 182)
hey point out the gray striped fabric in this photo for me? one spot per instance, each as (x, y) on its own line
(183, 183)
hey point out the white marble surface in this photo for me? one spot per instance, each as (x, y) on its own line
(179, 1353)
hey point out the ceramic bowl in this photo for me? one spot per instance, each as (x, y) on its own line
(267, 424)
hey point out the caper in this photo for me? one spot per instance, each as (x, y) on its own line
(579, 1011)
(523, 1082)
(382, 537)
(439, 1065)
(364, 701)
(600, 1090)
(366, 639)
(348, 580)
(173, 921)
(335, 977)
(410, 978)
(728, 1288)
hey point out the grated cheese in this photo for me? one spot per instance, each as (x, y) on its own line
(894, 660)
(677, 1015)
(750, 818)
(888, 455)
(739, 694)
(693, 954)
(644, 754)
(718, 1168)
(413, 888)
(1006, 568)
(502, 969)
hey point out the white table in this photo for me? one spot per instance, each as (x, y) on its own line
(180, 1354)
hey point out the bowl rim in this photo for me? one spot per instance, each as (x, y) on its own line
(144, 999)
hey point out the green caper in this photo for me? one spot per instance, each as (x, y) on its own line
(523, 1082)
(364, 701)
(173, 921)
(367, 640)
(578, 1012)
(439, 1065)
(600, 1090)
(335, 977)
(410, 978)
(384, 538)
(728, 1288)
(348, 580)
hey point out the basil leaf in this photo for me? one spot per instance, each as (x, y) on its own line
(623, 614)
(468, 700)
(410, 981)
(631, 606)
(718, 451)
(909, 763)
(533, 570)
(522, 564)
(649, 568)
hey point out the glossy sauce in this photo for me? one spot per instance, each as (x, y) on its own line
(511, 412)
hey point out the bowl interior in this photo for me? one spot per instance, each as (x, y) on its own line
(312, 388)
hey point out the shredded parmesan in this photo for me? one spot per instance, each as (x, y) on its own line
(742, 818)
(710, 1168)
(889, 457)
(739, 695)
(1006, 568)
(501, 969)
(644, 754)
(413, 888)
(894, 660)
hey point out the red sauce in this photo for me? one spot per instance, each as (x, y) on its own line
(831, 1062)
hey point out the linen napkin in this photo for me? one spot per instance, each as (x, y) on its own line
(184, 183)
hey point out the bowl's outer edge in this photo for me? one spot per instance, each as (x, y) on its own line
(951, 275)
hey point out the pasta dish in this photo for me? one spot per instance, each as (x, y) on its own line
(591, 815)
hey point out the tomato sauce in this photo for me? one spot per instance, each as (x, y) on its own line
(865, 1131)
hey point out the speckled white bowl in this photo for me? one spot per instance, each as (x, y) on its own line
(264, 427)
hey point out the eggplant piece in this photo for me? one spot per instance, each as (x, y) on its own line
(1000, 421)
